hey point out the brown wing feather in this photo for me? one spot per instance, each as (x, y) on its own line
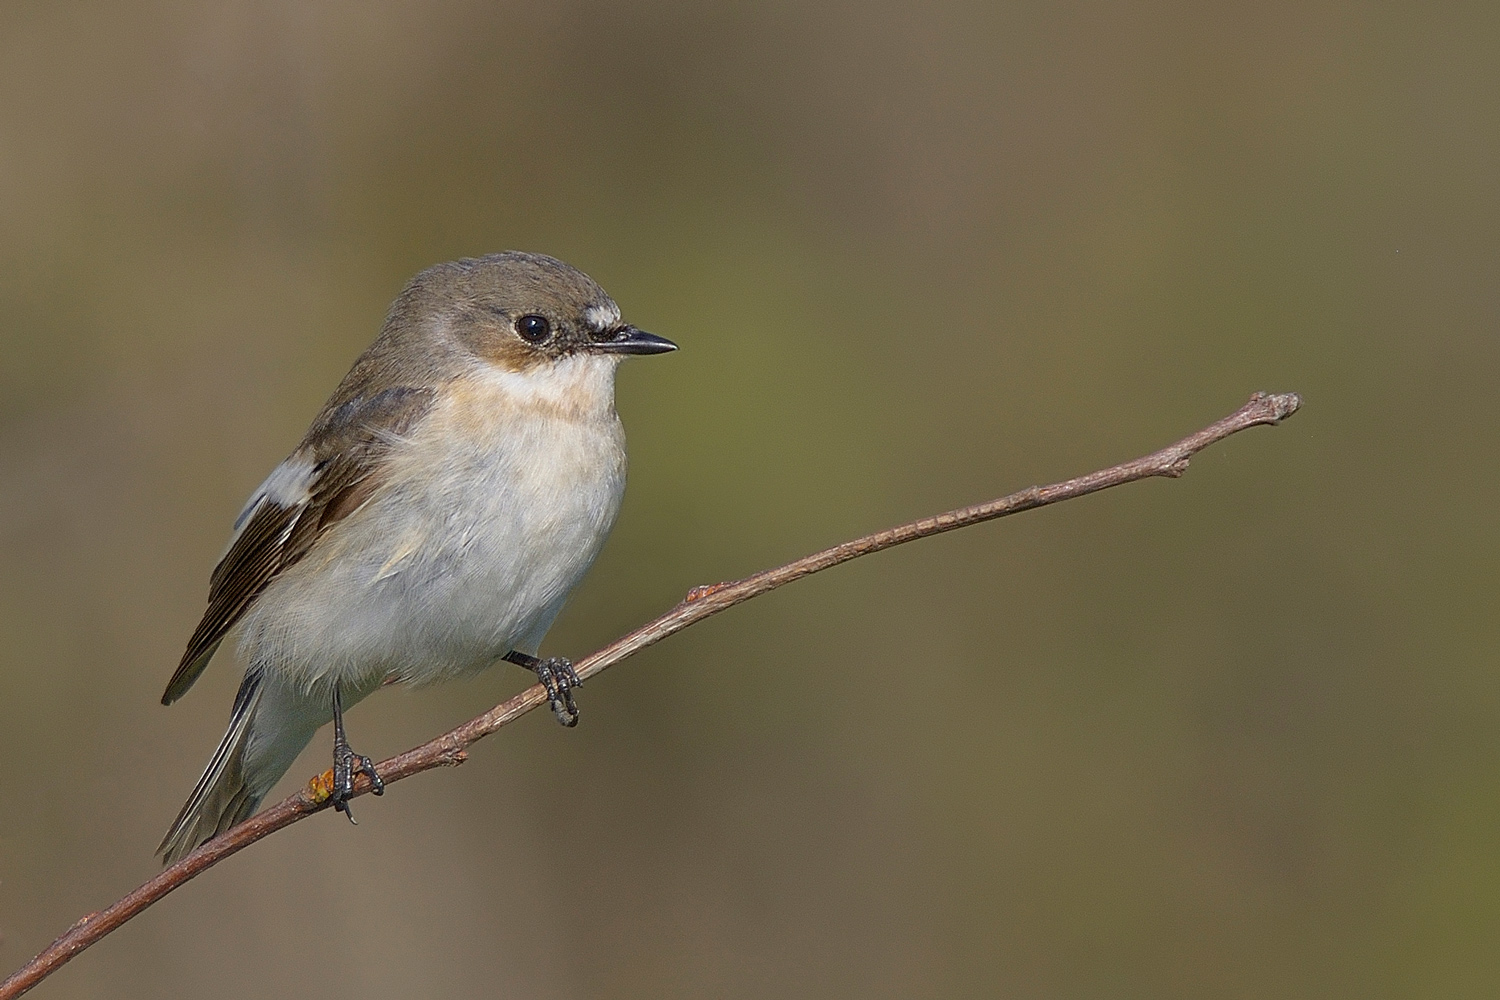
(345, 446)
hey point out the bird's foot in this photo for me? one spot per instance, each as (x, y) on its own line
(556, 674)
(346, 764)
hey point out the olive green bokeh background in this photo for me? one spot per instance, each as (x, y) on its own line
(1228, 736)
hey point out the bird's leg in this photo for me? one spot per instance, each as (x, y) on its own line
(557, 676)
(347, 763)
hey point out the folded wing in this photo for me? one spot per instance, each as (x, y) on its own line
(331, 475)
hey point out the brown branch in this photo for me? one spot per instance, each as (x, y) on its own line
(450, 749)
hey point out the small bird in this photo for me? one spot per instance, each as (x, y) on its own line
(434, 520)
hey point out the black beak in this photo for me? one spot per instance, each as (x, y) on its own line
(629, 340)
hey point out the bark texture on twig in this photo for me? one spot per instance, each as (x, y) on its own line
(450, 749)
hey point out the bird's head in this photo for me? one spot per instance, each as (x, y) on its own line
(525, 312)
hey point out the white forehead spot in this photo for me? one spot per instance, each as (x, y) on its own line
(601, 318)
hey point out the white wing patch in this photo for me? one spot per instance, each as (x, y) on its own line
(286, 486)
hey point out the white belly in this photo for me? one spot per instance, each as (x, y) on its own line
(490, 516)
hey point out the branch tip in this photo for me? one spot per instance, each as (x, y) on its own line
(1280, 404)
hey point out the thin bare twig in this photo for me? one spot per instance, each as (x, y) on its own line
(450, 749)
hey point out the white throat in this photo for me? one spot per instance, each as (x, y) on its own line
(581, 386)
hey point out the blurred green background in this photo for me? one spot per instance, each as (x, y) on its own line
(1228, 736)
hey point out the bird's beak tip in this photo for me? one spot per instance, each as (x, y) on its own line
(633, 341)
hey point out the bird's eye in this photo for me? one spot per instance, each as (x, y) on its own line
(533, 329)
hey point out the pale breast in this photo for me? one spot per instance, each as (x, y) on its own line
(490, 514)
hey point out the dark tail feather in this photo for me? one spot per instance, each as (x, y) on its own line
(221, 798)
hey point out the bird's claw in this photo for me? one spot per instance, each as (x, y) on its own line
(346, 764)
(558, 677)
(556, 674)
